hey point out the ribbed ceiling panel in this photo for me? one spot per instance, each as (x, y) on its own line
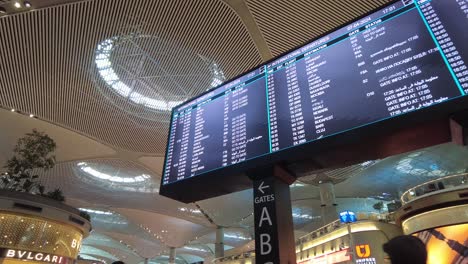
(79, 185)
(47, 62)
(287, 24)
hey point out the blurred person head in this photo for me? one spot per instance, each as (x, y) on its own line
(118, 262)
(406, 250)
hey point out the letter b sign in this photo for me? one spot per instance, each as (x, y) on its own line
(265, 246)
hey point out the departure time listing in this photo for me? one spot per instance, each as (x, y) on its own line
(404, 57)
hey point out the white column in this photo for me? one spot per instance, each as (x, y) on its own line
(219, 245)
(172, 255)
(328, 202)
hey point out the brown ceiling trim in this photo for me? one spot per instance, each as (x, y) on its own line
(241, 8)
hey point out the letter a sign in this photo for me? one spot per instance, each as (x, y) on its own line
(266, 233)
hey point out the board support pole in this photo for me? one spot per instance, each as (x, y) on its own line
(274, 230)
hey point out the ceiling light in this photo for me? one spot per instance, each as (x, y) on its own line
(104, 176)
(13, 110)
(367, 163)
(104, 66)
(298, 184)
(236, 237)
(31, 115)
(2, 10)
(216, 82)
(95, 211)
(193, 211)
(195, 249)
(305, 216)
(27, 4)
(17, 4)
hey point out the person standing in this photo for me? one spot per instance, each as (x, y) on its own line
(405, 250)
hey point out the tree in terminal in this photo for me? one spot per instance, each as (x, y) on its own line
(32, 154)
(378, 206)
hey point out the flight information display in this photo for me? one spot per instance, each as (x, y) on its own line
(406, 56)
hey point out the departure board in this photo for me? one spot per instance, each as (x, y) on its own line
(406, 56)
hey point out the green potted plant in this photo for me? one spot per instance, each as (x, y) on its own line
(378, 206)
(32, 153)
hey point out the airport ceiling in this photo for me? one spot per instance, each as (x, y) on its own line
(71, 63)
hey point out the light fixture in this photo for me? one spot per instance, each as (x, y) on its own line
(99, 212)
(240, 237)
(27, 4)
(13, 110)
(104, 66)
(31, 115)
(193, 211)
(17, 5)
(105, 176)
(195, 249)
(2, 10)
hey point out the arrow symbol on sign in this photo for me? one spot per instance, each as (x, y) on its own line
(261, 187)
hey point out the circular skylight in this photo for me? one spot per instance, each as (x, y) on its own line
(117, 179)
(116, 175)
(107, 73)
(148, 72)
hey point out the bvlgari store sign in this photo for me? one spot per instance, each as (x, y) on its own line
(33, 256)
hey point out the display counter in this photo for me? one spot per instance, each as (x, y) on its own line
(35, 229)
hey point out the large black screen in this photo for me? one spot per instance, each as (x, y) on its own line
(404, 57)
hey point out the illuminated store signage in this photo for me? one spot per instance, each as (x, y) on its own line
(363, 251)
(34, 256)
(65, 238)
(366, 261)
(347, 217)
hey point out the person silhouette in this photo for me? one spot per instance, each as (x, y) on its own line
(406, 250)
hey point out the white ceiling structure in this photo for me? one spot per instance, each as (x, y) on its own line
(98, 75)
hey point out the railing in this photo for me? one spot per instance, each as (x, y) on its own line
(440, 185)
(381, 217)
(319, 232)
(246, 255)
